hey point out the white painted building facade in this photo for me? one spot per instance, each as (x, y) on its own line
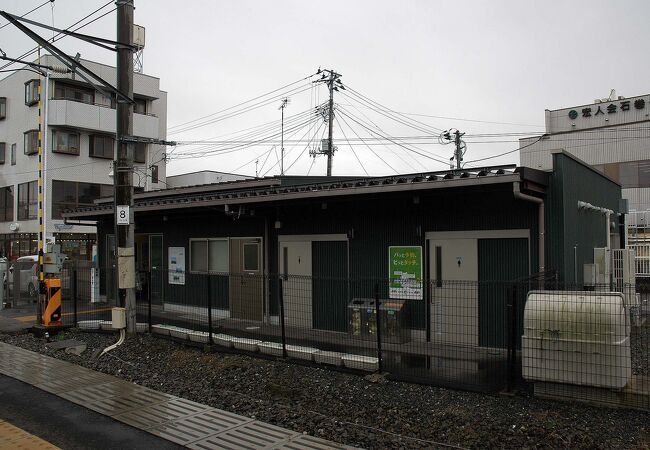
(79, 148)
(613, 135)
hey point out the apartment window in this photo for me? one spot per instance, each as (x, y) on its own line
(140, 153)
(31, 142)
(64, 141)
(154, 174)
(3, 151)
(28, 200)
(31, 92)
(140, 105)
(64, 91)
(102, 146)
(209, 255)
(72, 194)
(13, 154)
(7, 204)
(3, 107)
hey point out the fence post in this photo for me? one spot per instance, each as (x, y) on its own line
(149, 288)
(74, 293)
(378, 323)
(209, 293)
(512, 338)
(282, 330)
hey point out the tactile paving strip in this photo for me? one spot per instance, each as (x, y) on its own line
(199, 426)
(182, 421)
(14, 438)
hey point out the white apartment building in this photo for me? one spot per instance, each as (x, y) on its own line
(79, 148)
(613, 135)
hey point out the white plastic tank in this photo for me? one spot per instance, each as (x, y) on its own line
(577, 337)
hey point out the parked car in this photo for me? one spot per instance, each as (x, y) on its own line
(28, 274)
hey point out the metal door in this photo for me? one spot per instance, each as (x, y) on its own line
(454, 292)
(246, 280)
(296, 266)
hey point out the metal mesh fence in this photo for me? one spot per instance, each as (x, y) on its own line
(535, 335)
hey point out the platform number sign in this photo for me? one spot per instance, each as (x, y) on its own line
(123, 215)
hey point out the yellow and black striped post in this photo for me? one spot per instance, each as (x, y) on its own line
(41, 238)
(52, 314)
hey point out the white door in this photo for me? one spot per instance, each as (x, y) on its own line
(295, 264)
(454, 293)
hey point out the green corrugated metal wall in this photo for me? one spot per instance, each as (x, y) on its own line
(498, 260)
(330, 287)
(567, 227)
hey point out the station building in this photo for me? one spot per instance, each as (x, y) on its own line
(480, 225)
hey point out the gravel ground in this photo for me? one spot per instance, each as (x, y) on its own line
(349, 408)
(640, 343)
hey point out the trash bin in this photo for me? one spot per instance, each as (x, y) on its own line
(362, 319)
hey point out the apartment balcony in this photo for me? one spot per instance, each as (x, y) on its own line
(69, 113)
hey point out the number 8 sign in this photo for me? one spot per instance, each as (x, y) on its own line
(123, 214)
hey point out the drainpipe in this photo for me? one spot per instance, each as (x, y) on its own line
(607, 212)
(540, 220)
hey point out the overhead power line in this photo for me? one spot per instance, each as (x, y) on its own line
(59, 36)
(239, 104)
(29, 12)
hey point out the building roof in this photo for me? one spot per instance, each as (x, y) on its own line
(275, 189)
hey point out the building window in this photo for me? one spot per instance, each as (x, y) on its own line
(28, 201)
(3, 107)
(71, 194)
(154, 174)
(140, 153)
(13, 154)
(65, 142)
(140, 105)
(7, 204)
(31, 92)
(102, 146)
(209, 255)
(3, 151)
(31, 142)
(251, 257)
(64, 91)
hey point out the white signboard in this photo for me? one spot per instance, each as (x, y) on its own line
(176, 265)
(123, 214)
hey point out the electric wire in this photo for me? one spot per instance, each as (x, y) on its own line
(397, 155)
(236, 113)
(351, 148)
(61, 35)
(409, 148)
(240, 104)
(29, 12)
(369, 148)
(303, 152)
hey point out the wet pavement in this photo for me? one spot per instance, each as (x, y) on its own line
(175, 419)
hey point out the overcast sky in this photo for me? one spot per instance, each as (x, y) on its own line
(494, 61)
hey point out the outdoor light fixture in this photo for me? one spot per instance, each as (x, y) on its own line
(278, 224)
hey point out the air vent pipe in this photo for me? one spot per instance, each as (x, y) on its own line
(540, 220)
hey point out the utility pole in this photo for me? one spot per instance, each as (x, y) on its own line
(459, 150)
(123, 171)
(333, 81)
(285, 102)
(330, 133)
(449, 136)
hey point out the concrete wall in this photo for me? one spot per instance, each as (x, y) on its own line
(84, 118)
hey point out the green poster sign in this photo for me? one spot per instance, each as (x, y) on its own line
(405, 272)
